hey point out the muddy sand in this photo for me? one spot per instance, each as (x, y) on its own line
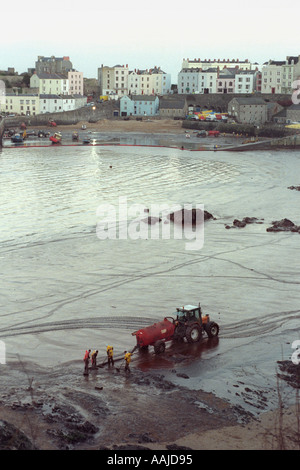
(166, 128)
(111, 409)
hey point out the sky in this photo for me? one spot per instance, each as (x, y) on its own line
(147, 34)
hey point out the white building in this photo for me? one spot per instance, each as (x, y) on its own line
(50, 83)
(245, 81)
(113, 81)
(290, 73)
(22, 104)
(153, 81)
(75, 82)
(217, 63)
(119, 81)
(278, 76)
(197, 81)
(60, 103)
(272, 76)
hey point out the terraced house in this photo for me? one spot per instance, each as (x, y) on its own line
(197, 80)
(50, 83)
(152, 81)
(22, 104)
(113, 81)
(279, 76)
(119, 81)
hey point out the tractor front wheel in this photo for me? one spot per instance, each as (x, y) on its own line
(193, 334)
(212, 329)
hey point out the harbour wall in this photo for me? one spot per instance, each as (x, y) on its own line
(291, 142)
(103, 110)
(269, 130)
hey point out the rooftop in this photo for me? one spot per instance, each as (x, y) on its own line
(251, 100)
(53, 76)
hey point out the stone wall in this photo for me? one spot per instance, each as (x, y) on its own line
(267, 130)
(103, 110)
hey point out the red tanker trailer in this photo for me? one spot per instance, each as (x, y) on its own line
(189, 324)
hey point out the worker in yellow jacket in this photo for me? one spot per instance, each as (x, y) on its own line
(127, 359)
(110, 355)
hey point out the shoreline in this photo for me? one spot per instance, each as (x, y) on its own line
(79, 413)
(165, 133)
(174, 130)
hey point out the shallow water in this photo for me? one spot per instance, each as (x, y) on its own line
(63, 289)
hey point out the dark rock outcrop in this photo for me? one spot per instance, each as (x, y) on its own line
(284, 225)
(12, 438)
(189, 216)
(242, 223)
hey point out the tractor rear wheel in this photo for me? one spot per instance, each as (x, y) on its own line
(212, 329)
(159, 347)
(193, 333)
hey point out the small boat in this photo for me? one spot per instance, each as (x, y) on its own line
(17, 139)
(56, 138)
(75, 136)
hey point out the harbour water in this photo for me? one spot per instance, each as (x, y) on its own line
(63, 289)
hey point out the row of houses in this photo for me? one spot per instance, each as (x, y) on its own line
(118, 81)
(246, 109)
(34, 103)
(57, 83)
(214, 80)
(203, 76)
(234, 76)
(250, 110)
(55, 86)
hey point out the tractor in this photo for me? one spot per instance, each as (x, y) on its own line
(188, 324)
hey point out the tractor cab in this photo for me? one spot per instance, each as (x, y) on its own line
(189, 313)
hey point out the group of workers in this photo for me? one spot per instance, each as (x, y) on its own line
(110, 359)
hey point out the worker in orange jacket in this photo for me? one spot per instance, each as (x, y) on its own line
(86, 361)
